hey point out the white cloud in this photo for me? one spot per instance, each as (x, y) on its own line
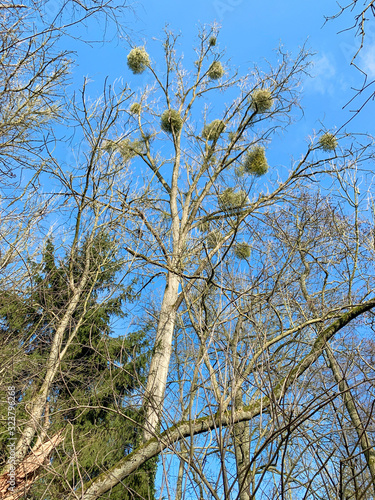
(323, 76)
(367, 60)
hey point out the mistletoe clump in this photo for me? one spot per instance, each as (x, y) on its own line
(214, 238)
(138, 60)
(256, 162)
(204, 226)
(129, 149)
(215, 71)
(212, 41)
(212, 131)
(135, 108)
(109, 146)
(171, 121)
(230, 199)
(261, 100)
(328, 142)
(242, 250)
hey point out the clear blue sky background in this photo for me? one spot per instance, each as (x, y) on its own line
(251, 30)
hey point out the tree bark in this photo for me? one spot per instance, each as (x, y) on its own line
(363, 437)
(159, 368)
(241, 440)
(27, 471)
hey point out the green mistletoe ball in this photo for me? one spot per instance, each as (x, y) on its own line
(230, 199)
(328, 142)
(171, 121)
(261, 100)
(242, 250)
(215, 71)
(138, 60)
(135, 108)
(212, 131)
(256, 162)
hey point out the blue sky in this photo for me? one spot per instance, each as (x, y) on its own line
(250, 33)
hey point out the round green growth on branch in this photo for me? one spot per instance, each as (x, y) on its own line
(230, 199)
(328, 142)
(261, 100)
(171, 121)
(204, 226)
(256, 162)
(135, 108)
(215, 71)
(242, 250)
(212, 131)
(109, 146)
(212, 41)
(214, 238)
(129, 149)
(138, 60)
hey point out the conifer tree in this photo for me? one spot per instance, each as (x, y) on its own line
(102, 372)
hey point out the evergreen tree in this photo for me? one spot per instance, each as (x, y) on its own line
(94, 397)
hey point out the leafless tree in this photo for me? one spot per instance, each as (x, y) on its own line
(257, 270)
(252, 338)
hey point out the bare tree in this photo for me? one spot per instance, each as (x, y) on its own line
(253, 337)
(255, 268)
(360, 23)
(33, 100)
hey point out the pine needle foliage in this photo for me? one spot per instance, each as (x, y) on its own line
(100, 372)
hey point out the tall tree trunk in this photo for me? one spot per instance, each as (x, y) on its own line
(363, 437)
(241, 440)
(38, 403)
(157, 379)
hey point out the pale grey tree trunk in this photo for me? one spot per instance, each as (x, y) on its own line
(38, 404)
(157, 379)
(241, 440)
(363, 437)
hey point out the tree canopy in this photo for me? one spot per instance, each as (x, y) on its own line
(183, 314)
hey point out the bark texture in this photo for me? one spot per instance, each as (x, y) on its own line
(349, 401)
(27, 471)
(159, 368)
